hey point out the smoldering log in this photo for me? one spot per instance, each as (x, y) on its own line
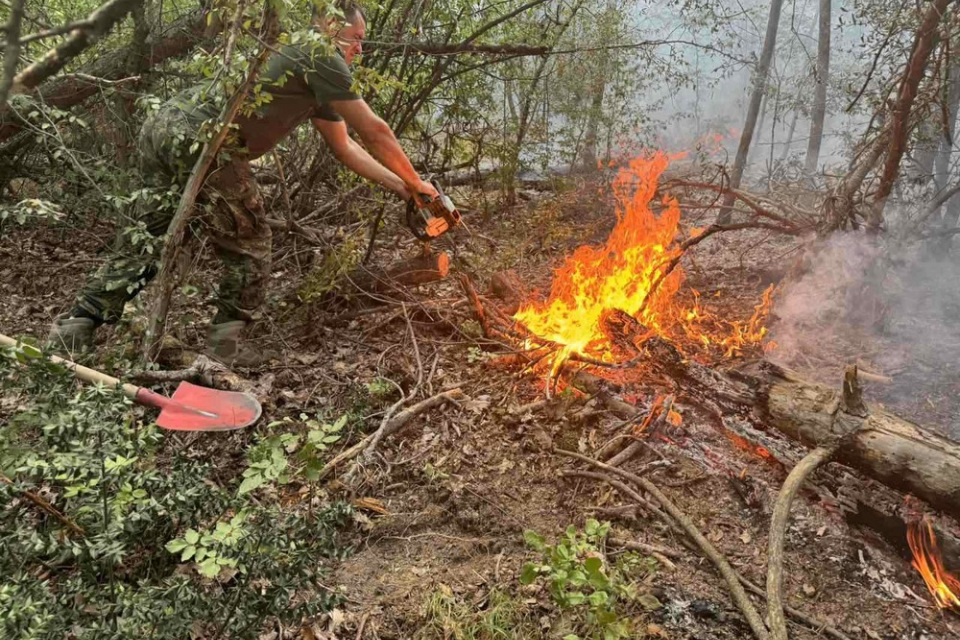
(422, 269)
(875, 442)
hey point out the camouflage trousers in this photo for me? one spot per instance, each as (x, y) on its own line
(229, 211)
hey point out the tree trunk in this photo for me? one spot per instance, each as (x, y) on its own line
(819, 112)
(589, 159)
(924, 43)
(942, 172)
(526, 106)
(69, 91)
(759, 89)
(790, 132)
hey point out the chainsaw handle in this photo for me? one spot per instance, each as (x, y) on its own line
(412, 209)
(84, 373)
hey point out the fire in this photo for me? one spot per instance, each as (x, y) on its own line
(629, 273)
(926, 559)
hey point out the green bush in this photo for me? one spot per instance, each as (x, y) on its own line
(594, 593)
(166, 551)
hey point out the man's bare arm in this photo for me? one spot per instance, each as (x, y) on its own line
(382, 144)
(356, 158)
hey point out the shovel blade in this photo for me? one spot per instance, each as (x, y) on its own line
(195, 408)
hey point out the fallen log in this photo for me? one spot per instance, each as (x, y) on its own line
(423, 269)
(881, 445)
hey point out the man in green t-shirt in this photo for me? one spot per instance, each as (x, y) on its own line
(305, 82)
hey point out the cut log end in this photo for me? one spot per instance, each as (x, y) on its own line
(422, 269)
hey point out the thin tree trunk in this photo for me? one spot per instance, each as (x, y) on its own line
(12, 51)
(763, 120)
(792, 130)
(944, 155)
(178, 225)
(819, 112)
(759, 86)
(924, 43)
(589, 159)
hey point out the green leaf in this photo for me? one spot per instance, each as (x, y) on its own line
(533, 540)
(529, 573)
(649, 602)
(209, 567)
(191, 536)
(592, 527)
(598, 598)
(175, 546)
(188, 553)
(578, 578)
(571, 636)
(599, 581)
(250, 484)
(593, 565)
(575, 598)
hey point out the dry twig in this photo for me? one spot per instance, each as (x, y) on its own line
(375, 439)
(395, 424)
(723, 566)
(47, 507)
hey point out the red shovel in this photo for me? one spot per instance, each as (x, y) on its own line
(192, 408)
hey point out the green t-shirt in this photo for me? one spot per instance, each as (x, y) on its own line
(301, 81)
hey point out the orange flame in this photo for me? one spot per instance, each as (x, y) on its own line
(628, 273)
(926, 559)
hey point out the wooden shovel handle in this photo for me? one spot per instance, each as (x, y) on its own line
(84, 373)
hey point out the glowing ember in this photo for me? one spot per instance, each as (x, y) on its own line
(926, 559)
(628, 274)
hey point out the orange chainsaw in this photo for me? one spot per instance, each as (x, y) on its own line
(436, 216)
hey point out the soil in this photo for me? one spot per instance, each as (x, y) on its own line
(458, 485)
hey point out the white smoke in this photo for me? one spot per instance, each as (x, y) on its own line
(893, 311)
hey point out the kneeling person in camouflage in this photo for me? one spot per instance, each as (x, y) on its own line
(304, 83)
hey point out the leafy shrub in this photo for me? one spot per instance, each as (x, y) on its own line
(582, 582)
(165, 552)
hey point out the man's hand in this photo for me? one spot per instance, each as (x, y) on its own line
(423, 188)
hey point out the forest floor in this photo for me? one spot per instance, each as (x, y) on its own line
(441, 513)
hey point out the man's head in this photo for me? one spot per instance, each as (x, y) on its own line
(347, 32)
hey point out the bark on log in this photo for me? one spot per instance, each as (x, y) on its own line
(422, 269)
(882, 446)
(69, 91)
